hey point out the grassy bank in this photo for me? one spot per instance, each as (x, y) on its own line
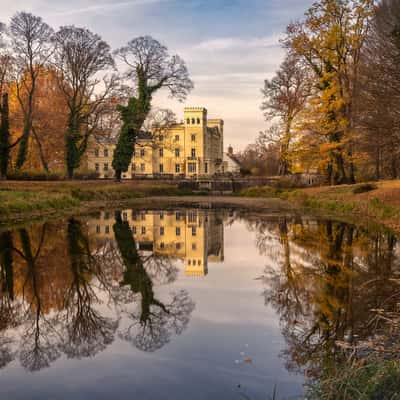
(379, 202)
(33, 199)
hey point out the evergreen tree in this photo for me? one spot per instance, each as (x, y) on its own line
(5, 146)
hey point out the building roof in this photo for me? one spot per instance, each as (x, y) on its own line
(142, 135)
(233, 158)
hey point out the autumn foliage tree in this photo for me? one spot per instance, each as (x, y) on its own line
(330, 41)
(285, 96)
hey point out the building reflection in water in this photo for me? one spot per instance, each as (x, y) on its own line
(192, 235)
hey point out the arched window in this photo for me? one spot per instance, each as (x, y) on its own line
(188, 121)
(193, 121)
(198, 121)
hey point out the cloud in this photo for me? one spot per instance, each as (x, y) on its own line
(234, 43)
(105, 7)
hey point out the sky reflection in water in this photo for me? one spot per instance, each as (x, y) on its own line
(187, 303)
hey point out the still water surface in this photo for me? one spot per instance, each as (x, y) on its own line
(184, 303)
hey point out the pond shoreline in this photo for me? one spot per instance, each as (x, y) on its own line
(26, 201)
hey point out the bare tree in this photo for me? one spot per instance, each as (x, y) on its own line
(285, 96)
(80, 56)
(150, 68)
(32, 48)
(378, 99)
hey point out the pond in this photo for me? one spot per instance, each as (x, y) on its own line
(185, 303)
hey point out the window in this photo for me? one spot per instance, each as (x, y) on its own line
(96, 152)
(198, 262)
(125, 216)
(177, 152)
(188, 121)
(161, 151)
(161, 231)
(161, 168)
(142, 167)
(107, 230)
(105, 167)
(177, 168)
(143, 216)
(178, 216)
(193, 138)
(96, 167)
(193, 121)
(107, 215)
(134, 216)
(133, 167)
(198, 121)
(176, 138)
(105, 152)
(161, 215)
(178, 246)
(194, 231)
(206, 168)
(161, 138)
(189, 262)
(97, 228)
(192, 217)
(162, 245)
(143, 230)
(134, 230)
(194, 246)
(142, 153)
(192, 167)
(178, 231)
(193, 153)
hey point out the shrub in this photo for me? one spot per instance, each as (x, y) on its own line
(245, 171)
(259, 191)
(86, 175)
(364, 187)
(34, 176)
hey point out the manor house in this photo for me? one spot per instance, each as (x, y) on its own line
(191, 235)
(191, 148)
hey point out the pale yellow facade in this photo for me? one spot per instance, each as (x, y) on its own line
(191, 148)
(194, 236)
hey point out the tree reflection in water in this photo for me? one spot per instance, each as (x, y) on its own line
(324, 281)
(153, 324)
(62, 293)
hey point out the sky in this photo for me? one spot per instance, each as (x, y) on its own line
(230, 46)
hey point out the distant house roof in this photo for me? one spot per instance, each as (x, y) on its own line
(233, 158)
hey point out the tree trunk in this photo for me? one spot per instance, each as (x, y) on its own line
(40, 150)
